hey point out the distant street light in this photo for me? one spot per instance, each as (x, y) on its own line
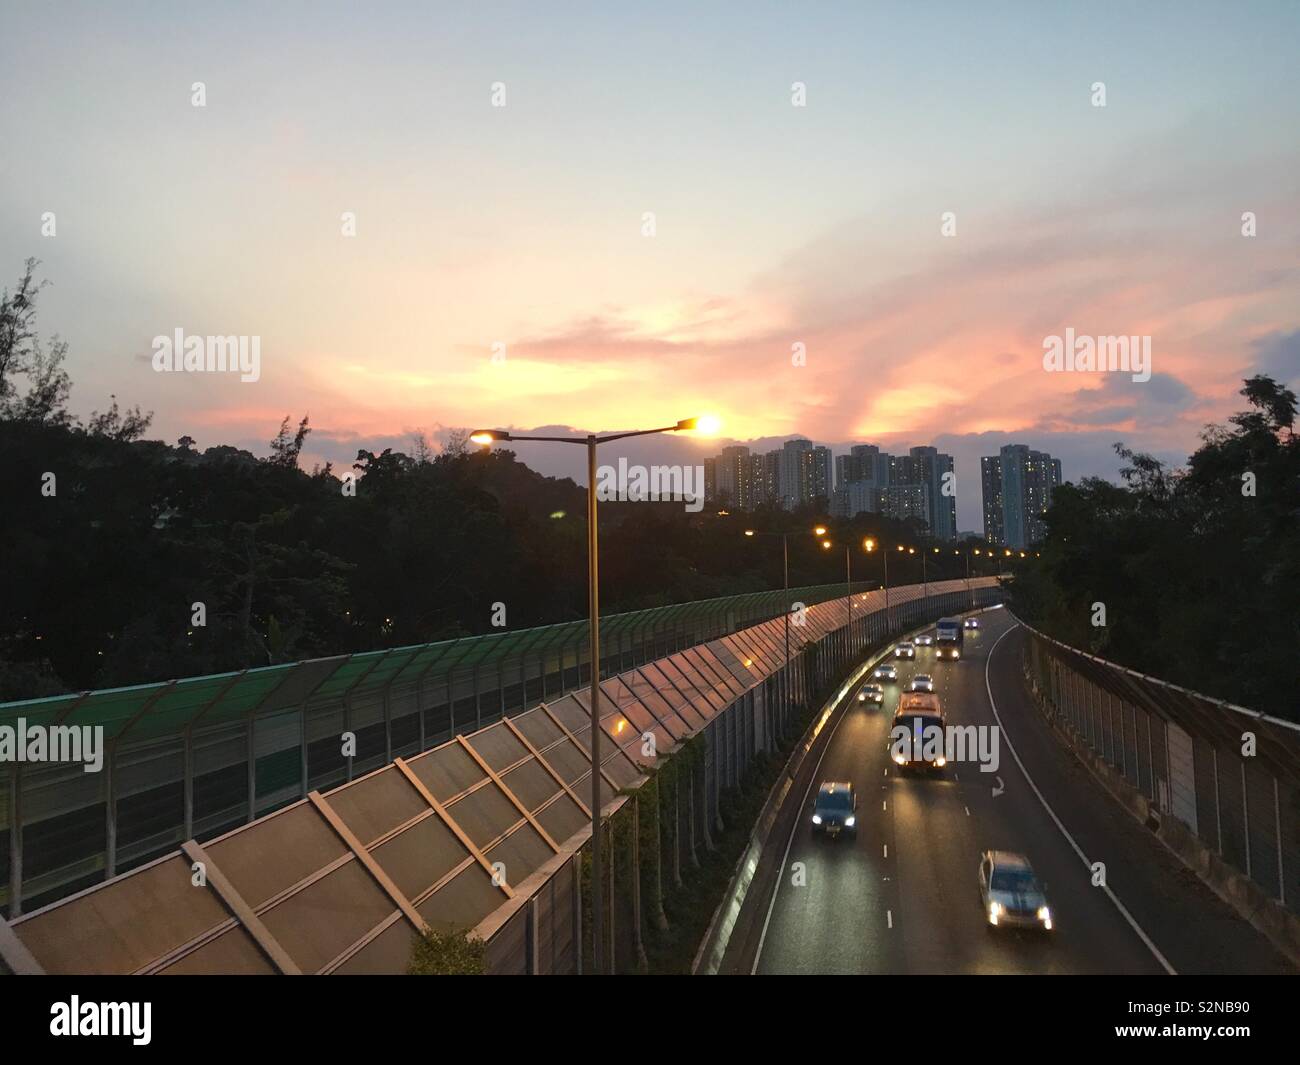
(487, 437)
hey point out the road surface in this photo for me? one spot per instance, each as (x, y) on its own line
(902, 897)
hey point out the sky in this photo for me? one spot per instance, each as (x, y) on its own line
(523, 228)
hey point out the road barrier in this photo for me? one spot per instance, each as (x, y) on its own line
(486, 831)
(197, 757)
(1218, 783)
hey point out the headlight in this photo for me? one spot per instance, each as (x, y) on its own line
(900, 759)
(1044, 914)
(849, 822)
(817, 819)
(941, 761)
(995, 911)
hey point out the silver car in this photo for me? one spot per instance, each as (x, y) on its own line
(885, 671)
(922, 682)
(1010, 892)
(906, 649)
(924, 640)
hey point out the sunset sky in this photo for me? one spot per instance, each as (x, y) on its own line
(775, 224)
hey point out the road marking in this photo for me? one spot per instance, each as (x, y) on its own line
(889, 916)
(1146, 939)
(884, 804)
(785, 858)
(967, 809)
(886, 850)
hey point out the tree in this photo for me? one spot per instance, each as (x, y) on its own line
(286, 449)
(123, 427)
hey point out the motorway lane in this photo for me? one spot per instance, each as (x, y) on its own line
(902, 897)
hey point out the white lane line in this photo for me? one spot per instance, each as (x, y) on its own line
(889, 916)
(967, 809)
(886, 850)
(1146, 939)
(785, 858)
(884, 804)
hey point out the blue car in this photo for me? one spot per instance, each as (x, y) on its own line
(835, 810)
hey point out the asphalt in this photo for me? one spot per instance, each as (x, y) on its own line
(902, 896)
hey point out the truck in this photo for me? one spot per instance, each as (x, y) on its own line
(948, 638)
(919, 738)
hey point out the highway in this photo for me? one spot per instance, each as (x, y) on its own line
(903, 898)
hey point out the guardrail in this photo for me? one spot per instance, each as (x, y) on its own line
(1219, 783)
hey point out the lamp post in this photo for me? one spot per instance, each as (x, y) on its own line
(870, 545)
(488, 437)
(820, 530)
(785, 585)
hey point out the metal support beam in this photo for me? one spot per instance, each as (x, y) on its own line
(15, 954)
(375, 870)
(541, 760)
(451, 823)
(505, 790)
(240, 910)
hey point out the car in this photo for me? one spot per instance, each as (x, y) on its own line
(835, 809)
(924, 640)
(871, 693)
(922, 682)
(971, 623)
(905, 649)
(885, 671)
(1011, 894)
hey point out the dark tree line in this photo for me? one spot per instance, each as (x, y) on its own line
(108, 540)
(1198, 568)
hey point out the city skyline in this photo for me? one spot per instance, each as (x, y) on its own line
(921, 484)
(518, 230)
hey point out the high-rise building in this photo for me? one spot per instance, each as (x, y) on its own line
(819, 475)
(991, 485)
(735, 477)
(933, 470)
(1024, 480)
(805, 473)
(903, 501)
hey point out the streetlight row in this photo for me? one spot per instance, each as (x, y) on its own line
(870, 544)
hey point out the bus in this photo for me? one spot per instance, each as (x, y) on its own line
(948, 638)
(919, 738)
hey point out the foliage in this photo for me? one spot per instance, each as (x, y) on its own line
(1198, 568)
(435, 953)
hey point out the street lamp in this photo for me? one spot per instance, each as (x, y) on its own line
(820, 530)
(487, 437)
(870, 545)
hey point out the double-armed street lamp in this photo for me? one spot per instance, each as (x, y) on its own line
(487, 437)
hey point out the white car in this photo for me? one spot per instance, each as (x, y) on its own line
(971, 623)
(885, 671)
(906, 649)
(1010, 892)
(871, 693)
(922, 682)
(924, 640)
